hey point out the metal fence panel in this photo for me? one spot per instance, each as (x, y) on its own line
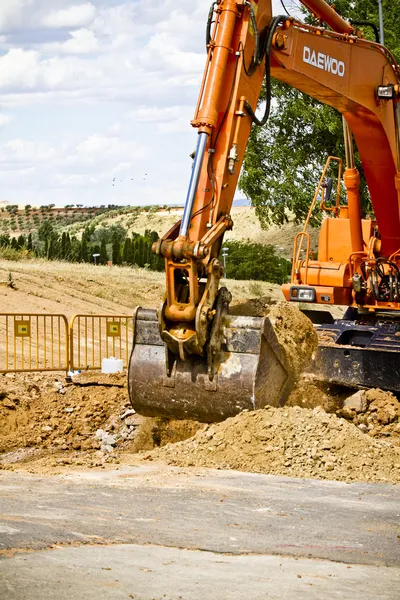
(94, 337)
(33, 342)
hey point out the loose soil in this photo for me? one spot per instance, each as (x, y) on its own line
(296, 336)
(43, 416)
(42, 429)
(49, 423)
(289, 441)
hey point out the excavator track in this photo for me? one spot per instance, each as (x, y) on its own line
(359, 355)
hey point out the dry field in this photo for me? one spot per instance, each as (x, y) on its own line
(67, 288)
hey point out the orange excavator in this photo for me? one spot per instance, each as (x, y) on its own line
(191, 359)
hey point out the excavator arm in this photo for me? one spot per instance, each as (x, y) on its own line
(190, 359)
(232, 81)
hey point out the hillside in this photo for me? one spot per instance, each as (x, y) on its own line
(139, 219)
(246, 226)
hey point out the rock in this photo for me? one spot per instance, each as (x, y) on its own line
(69, 410)
(9, 405)
(347, 413)
(87, 445)
(128, 413)
(326, 445)
(357, 402)
(363, 427)
(107, 448)
(386, 415)
(108, 440)
(47, 428)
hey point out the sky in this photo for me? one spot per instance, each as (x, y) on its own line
(96, 99)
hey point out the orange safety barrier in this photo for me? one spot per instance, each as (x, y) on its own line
(33, 342)
(94, 337)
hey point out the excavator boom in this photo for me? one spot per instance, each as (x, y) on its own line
(190, 358)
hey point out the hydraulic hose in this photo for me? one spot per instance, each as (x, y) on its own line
(267, 38)
(368, 24)
(210, 22)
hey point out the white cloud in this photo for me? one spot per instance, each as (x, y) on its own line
(107, 148)
(21, 152)
(18, 69)
(72, 16)
(97, 89)
(5, 119)
(11, 13)
(81, 41)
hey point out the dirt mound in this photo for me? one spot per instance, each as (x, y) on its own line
(85, 421)
(294, 331)
(290, 441)
(43, 411)
(253, 307)
(375, 412)
(46, 421)
(310, 393)
(295, 334)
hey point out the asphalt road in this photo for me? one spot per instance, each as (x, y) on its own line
(157, 532)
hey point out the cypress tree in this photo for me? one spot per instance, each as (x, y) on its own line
(140, 252)
(103, 258)
(126, 252)
(51, 253)
(116, 252)
(63, 246)
(68, 248)
(84, 250)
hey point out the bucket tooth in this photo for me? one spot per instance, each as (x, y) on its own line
(252, 372)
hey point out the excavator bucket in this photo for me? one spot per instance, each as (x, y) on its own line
(252, 372)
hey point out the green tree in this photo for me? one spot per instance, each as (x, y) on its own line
(255, 261)
(284, 160)
(127, 250)
(63, 253)
(116, 252)
(84, 250)
(51, 251)
(116, 232)
(103, 258)
(45, 230)
(21, 241)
